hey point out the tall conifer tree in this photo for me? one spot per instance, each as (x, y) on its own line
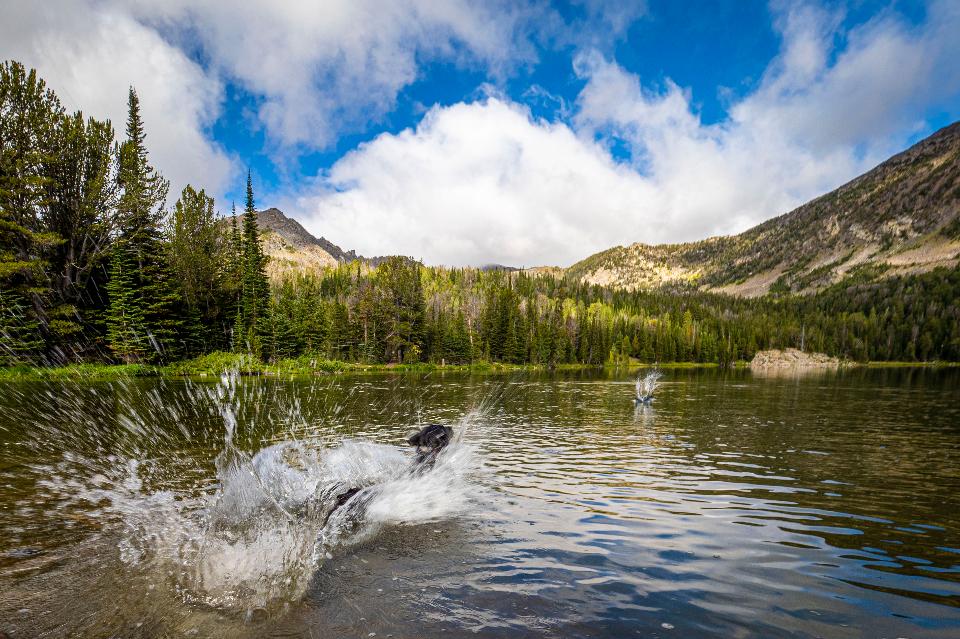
(255, 291)
(125, 328)
(146, 290)
(28, 114)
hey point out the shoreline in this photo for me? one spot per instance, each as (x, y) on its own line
(217, 364)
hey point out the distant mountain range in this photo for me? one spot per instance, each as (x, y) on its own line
(901, 217)
(898, 218)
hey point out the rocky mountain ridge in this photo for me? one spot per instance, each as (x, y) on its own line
(275, 221)
(292, 248)
(900, 217)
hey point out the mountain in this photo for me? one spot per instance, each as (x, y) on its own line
(294, 249)
(274, 220)
(901, 217)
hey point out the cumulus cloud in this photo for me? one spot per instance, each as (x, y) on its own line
(476, 183)
(486, 182)
(314, 70)
(319, 68)
(91, 54)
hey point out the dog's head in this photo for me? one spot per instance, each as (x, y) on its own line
(431, 438)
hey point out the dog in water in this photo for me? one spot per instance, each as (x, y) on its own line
(429, 441)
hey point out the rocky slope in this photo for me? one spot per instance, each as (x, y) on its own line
(274, 220)
(901, 217)
(292, 248)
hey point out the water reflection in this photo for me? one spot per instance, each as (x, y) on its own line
(644, 414)
(733, 506)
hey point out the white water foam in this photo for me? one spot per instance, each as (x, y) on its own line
(256, 538)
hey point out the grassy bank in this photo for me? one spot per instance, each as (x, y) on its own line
(910, 364)
(216, 364)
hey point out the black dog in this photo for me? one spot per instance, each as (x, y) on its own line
(431, 439)
(429, 442)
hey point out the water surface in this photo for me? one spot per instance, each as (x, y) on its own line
(734, 506)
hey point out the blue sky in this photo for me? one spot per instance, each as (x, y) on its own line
(465, 132)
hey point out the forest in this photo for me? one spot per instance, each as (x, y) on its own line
(96, 266)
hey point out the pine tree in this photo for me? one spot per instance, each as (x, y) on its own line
(196, 254)
(255, 290)
(19, 342)
(235, 255)
(28, 113)
(81, 198)
(402, 309)
(340, 331)
(456, 341)
(146, 290)
(125, 330)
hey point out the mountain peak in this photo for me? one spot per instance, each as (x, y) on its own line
(275, 220)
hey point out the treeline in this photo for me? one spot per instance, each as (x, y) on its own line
(403, 312)
(94, 266)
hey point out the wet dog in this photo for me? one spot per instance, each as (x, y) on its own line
(429, 441)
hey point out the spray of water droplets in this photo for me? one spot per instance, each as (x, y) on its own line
(252, 535)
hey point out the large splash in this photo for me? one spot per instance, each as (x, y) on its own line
(254, 534)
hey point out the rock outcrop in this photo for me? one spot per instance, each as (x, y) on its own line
(792, 359)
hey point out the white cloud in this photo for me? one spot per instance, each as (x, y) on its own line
(321, 68)
(314, 70)
(91, 54)
(881, 85)
(485, 182)
(476, 183)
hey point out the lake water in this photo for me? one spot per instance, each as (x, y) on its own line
(735, 506)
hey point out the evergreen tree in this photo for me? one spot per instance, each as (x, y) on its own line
(456, 342)
(255, 290)
(196, 253)
(404, 309)
(126, 335)
(81, 197)
(340, 331)
(28, 111)
(146, 291)
(235, 267)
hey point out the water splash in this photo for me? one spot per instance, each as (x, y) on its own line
(253, 535)
(647, 385)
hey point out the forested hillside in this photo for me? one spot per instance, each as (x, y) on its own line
(96, 266)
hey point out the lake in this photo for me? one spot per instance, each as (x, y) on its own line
(824, 505)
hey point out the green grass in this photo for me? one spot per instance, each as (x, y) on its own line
(76, 372)
(934, 364)
(219, 363)
(216, 364)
